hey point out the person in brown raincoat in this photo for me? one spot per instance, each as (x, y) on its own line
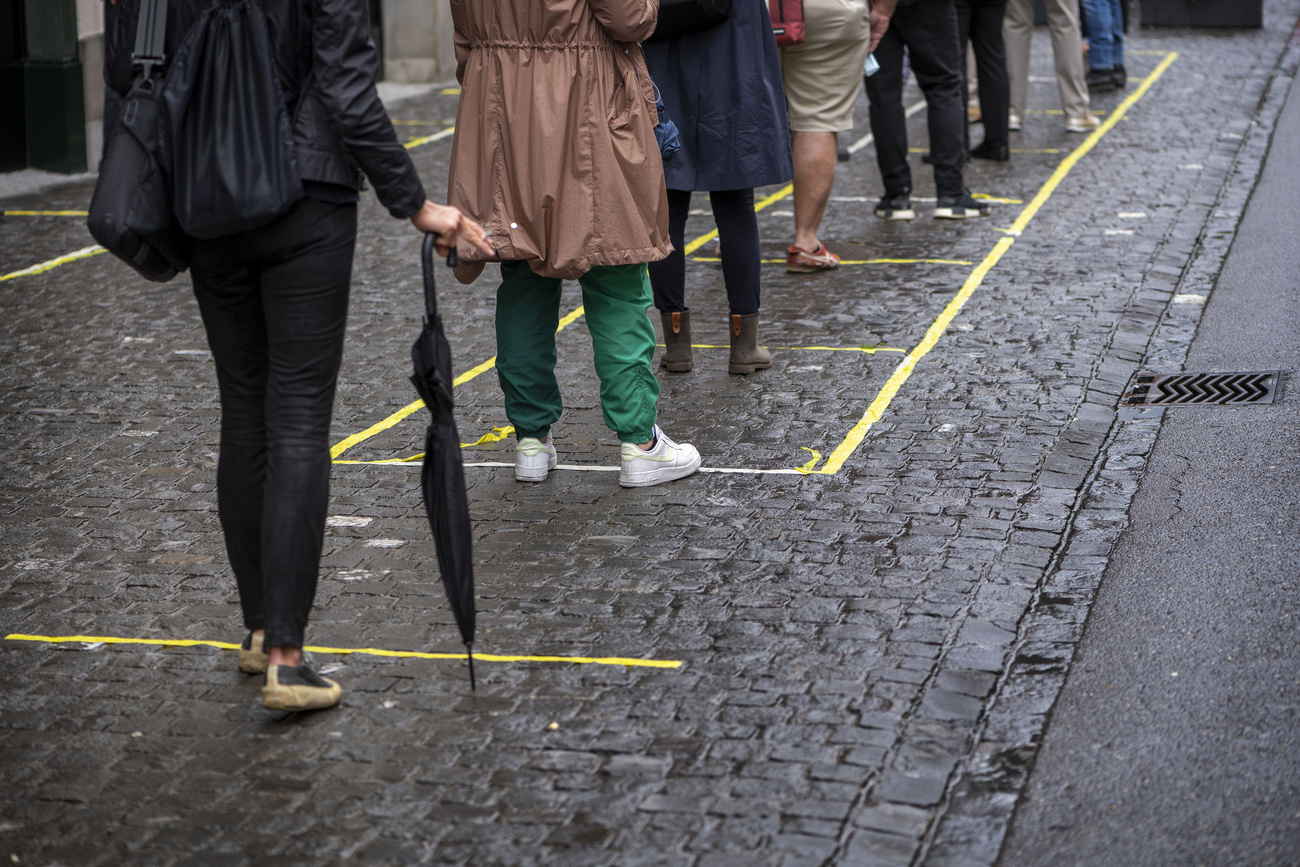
(555, 153)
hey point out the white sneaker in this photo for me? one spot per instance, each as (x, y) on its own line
(1087, 123)
(1013, 121)
(534, 459)
(663, 463)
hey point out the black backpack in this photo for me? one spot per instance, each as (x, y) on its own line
(203, 151)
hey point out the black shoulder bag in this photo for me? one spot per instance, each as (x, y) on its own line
(130, 211)
(686, 16)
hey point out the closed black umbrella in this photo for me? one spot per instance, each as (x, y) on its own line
(443, 476)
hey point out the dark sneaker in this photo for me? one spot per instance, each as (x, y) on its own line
(1100, 80)
(961, 207)
(1120, 76)
(895, 208)
(252, 656)
(986, 151)
(296, 689)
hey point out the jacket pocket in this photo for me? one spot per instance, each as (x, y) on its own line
(621, 101)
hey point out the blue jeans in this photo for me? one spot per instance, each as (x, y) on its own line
(1105, 21)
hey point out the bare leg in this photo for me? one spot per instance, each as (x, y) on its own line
(814, 175)
(290, 656)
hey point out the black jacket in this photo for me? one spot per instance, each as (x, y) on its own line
(327, 67)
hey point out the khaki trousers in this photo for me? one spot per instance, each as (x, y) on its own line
(1067, 49)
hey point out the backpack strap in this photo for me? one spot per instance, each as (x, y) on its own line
(150, 37)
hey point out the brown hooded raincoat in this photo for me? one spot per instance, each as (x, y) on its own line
(555, 149)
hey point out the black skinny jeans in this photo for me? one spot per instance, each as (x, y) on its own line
(733, 211)
(929, 31)
(274, 303)
(980, 22)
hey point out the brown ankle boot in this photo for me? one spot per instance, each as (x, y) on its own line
(746, 355)
(677, 339)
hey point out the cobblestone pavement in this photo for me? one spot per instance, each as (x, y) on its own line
(867, 656)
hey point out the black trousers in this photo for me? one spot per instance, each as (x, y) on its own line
(928, 29)
(980, 22)
(733, 211)
(274, 303)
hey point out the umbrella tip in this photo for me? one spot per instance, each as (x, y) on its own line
(469, 650)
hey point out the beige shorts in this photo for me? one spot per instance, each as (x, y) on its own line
(824, 74)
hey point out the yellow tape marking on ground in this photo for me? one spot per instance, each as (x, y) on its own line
(437, 136)
(861, 261)
(87, 252)
(758, 206)
(869, 350)
(364, 651)
(83, 253)
(936, 330)
(47, 213)
(788, 189)
(399, 416)
(816, 456)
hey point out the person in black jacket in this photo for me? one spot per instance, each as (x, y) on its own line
(274, 304)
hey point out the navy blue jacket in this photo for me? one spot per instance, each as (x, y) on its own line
(722, 87)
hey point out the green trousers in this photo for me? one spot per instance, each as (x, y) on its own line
(623, 339)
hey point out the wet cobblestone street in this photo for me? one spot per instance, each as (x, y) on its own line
(838, 645)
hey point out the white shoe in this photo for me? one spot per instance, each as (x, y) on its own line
(1087, 123)
(1013, 121)
(534, 459)
(663, 463)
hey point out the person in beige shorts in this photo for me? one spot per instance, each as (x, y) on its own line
(823, 77)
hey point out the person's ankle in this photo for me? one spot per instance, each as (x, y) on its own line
(290, 656)
(803, 243)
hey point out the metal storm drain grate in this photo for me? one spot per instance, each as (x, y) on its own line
(1176, 389)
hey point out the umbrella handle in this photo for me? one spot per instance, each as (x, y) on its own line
(430, 289)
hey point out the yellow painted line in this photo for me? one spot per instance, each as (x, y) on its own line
(870, 350)
(936, 330)
(865, 261)
(96, 250)
(1100, 112)
(1045, 192)
(364, 651)
(47, 213)
(768, 201)
(403, 413)
(83, 253)
(597, 468)
(455, 91)
(788, 189)
(437, 136)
